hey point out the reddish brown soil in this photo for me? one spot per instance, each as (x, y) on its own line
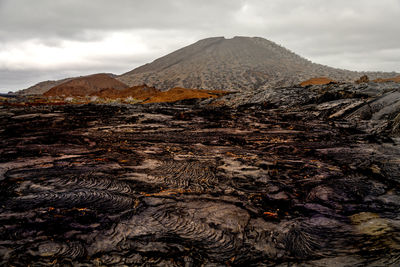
(86, 85)
(141, 92)
(394, 79)
(316, 81)
(153, 95)
(176, 94)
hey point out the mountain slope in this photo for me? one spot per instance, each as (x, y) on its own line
(230, 64)
(42, 87)
(86, 85)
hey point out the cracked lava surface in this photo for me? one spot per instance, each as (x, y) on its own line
(193, 185)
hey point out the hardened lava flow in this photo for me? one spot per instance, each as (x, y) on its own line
(200, 184)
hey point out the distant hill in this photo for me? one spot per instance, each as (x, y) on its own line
(240, 63)
(42, 87)
(86, 85)
(237, 64)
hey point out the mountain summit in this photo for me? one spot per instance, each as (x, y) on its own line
(240, 63)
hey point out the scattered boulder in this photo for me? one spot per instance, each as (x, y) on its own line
(363, 79)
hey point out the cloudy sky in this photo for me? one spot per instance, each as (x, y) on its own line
(51, 39)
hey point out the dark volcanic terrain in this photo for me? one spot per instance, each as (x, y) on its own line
(290, 176)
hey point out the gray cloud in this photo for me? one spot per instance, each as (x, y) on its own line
(74, 18)
(52, 39)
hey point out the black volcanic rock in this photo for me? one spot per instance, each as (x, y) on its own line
(291, 176)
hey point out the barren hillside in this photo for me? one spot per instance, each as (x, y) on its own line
(85, 86)
(240, 63)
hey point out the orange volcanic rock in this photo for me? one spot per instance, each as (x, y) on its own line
(317, 81)
(152, 95)
(86, 85)
(141, 92)
(177, 93)
(394, 79)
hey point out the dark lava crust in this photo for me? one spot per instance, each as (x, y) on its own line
(184, 185)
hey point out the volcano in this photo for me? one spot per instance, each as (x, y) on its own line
(240, 63)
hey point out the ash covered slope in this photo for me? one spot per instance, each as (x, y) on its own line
(240, 63)
(42, 87)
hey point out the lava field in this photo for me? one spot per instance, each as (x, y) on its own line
(189, 184)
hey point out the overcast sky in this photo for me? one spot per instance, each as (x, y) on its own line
(51, 39)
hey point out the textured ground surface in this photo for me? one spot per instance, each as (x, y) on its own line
(184, 185)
